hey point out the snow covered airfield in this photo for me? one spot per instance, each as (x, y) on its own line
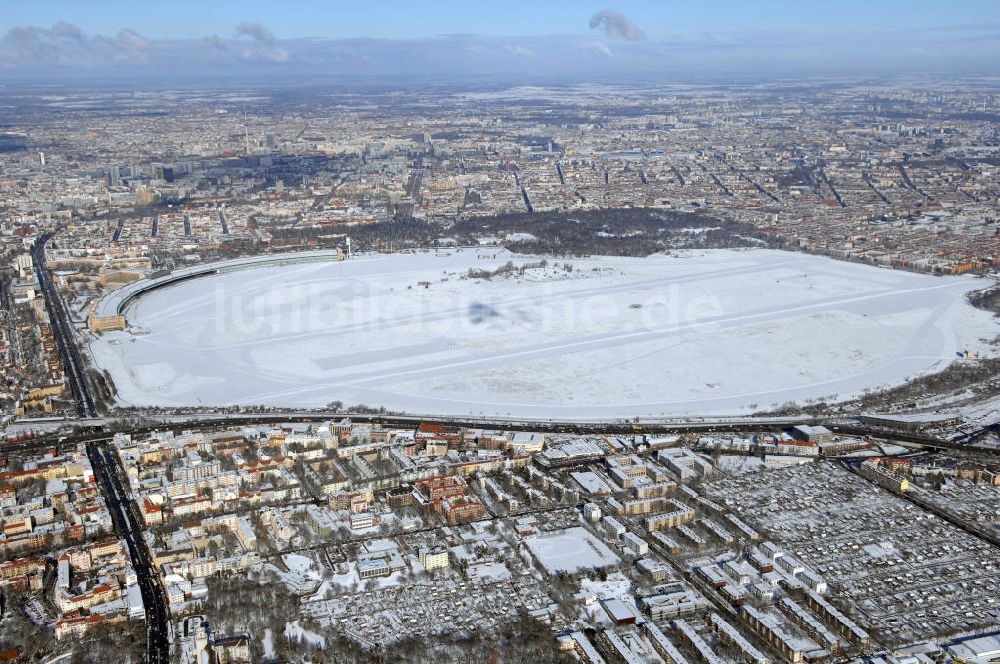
(705, 332)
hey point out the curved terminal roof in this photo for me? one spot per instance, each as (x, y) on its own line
(115, 302)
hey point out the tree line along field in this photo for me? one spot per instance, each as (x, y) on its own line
(617, 232)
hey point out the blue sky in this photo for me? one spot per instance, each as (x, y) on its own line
(509, 37)
(398, 19)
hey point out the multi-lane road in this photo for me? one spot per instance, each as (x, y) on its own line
(107, 467)
(98, 429)
(62, 331)
(110, 475)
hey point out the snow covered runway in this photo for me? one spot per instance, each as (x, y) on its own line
(707, 332)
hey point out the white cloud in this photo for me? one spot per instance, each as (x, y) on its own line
(517, 49)
(599, 48)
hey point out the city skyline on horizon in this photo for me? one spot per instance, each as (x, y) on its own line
(553, 39)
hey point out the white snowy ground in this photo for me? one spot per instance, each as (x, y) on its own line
(302, 576)
(706, 332)
(570, 550)
(296, 632)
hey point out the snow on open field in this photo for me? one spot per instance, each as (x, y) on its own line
(570, 550)
(302, 575)
(296, 632)
(706, 332)
(617, 586)
(268, 643)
